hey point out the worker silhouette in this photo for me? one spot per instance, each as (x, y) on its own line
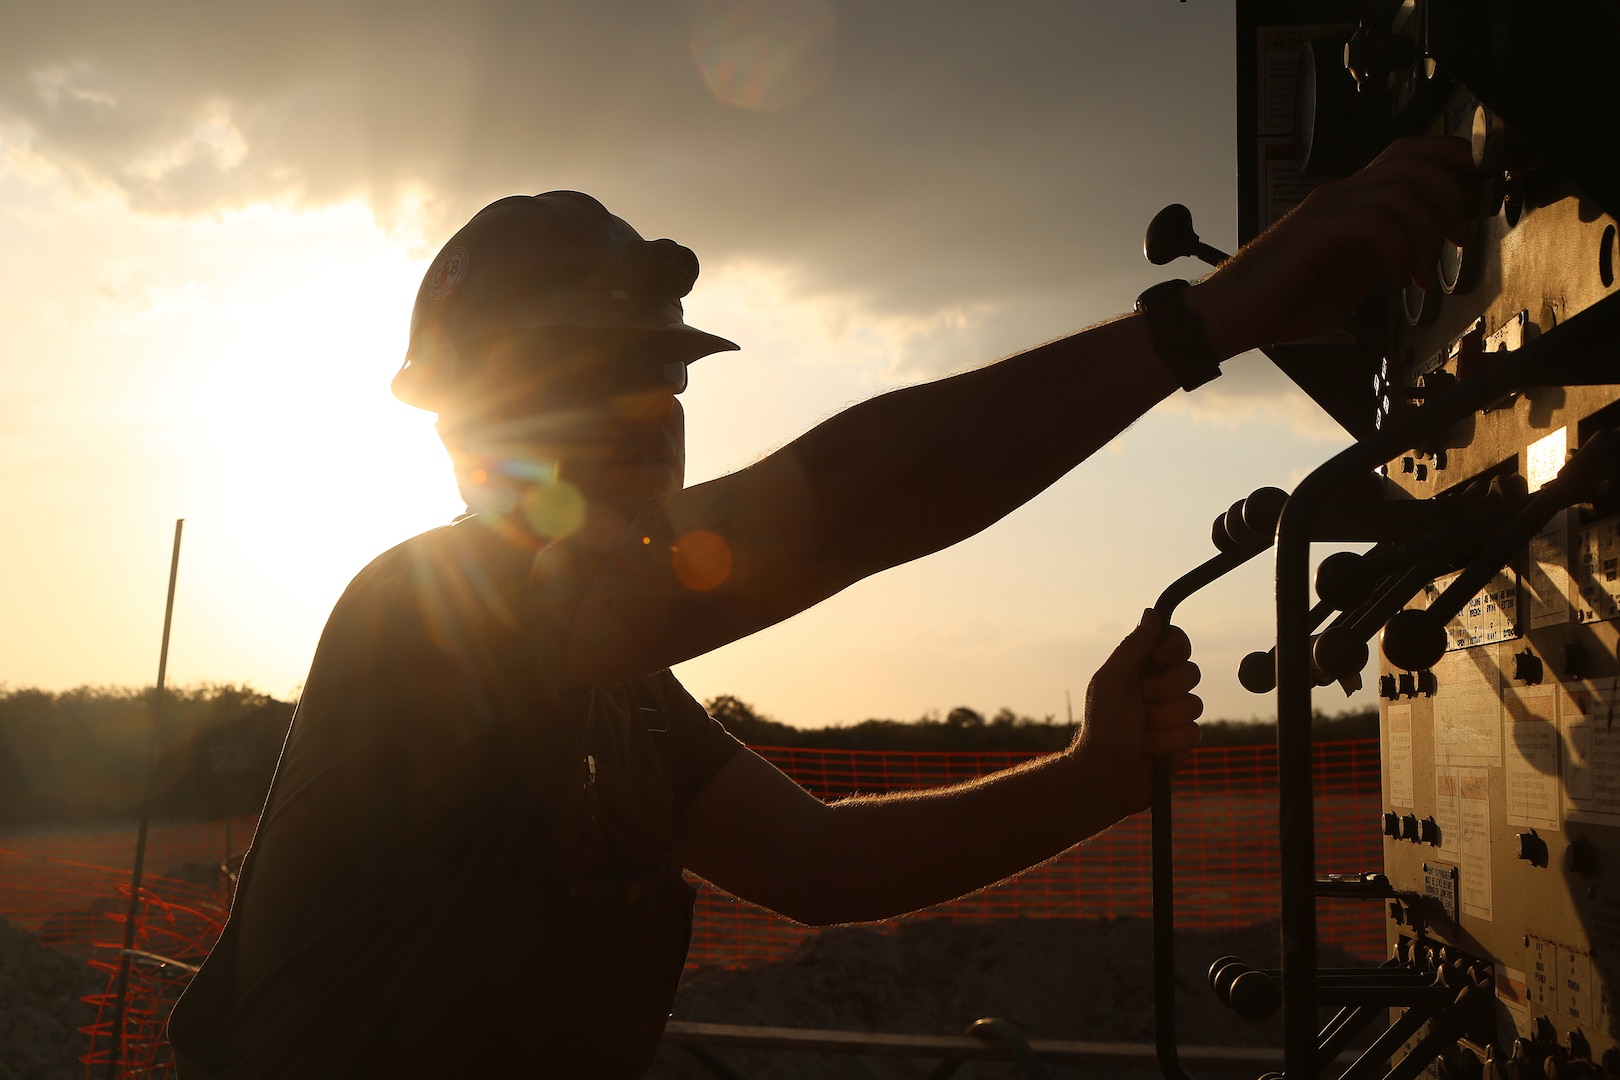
(471, 860)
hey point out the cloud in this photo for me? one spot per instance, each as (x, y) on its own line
(1253, 396)
(920, 159)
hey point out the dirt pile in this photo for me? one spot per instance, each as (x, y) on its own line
(1050, 978)
(40, 1010)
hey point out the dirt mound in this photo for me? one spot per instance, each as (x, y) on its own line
(1049, 978)
(40, 1010)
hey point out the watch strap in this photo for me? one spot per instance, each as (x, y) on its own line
(1177, 334)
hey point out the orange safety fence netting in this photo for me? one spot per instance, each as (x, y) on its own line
(171, 941)
(1226, 849)
(69, 885)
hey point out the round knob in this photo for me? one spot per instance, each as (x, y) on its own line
(1257, 672)
(1485, 140)
(1217, 964)
(1458, 267)
(1414, 640)
(1343, 581)
(1170, 235)
(1221, 538)
(1373, 53)
(1222, 980)
(1418, 306)
(1244, 537)
(1263, 509)
(1255, 995)
(1339, 652)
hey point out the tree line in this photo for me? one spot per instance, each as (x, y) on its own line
(965, 729)
(80, 755)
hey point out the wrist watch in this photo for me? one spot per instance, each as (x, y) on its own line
(1178, 336)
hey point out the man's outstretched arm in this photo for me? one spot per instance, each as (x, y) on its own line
(756, 834)
(915, 470)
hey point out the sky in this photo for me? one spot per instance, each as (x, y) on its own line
(215, 216)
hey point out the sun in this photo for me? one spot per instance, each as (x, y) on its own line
(294, 464)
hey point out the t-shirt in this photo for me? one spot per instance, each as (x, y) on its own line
(463, 868)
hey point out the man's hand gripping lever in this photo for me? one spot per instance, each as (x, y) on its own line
(1243, 532)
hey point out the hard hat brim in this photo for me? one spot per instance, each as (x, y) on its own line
(439, 374)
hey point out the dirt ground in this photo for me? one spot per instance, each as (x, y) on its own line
(40, 1010)
(1050, 978)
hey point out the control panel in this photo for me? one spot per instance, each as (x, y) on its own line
(1493, 585)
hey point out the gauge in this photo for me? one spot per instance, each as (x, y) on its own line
(1458, 268)
(1332, 124)
(1419, 307)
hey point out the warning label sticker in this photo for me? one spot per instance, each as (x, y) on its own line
(1590, 763)
(1440, 883)
(1490, 615)
(1596, 565)
(1531, 756)
(1462, 809)
(1399, 755)
(1468, 710)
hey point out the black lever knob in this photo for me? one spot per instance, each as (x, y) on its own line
(1414, 640)
(1344, 581)
(1238, 529)
(1257, 672)
(1263, 509)
(1216, 982)
(1255, 995)
(1170, 236)
(1250, 524)
(1532, 848)
(1340, 652)
(1223, 540)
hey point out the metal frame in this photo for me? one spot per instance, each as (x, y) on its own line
(1583, 351)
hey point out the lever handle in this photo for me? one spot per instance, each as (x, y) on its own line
(1170, 236)
(1247, 528)
(1257, 672)
(1415, 639)
(1347, 580)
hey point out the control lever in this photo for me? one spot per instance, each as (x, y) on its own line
(1341, 649)
(1243, 532)
(1359, 585)
(1170, 236)
(1416, 639)
(1257, 671)
(1347, 580)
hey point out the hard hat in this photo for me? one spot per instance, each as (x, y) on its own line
(559, 267)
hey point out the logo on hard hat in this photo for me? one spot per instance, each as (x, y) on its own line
(447, 273)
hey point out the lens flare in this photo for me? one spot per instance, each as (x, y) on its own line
(702, 560)
(530, 468)
(554, 510)
(764, 55)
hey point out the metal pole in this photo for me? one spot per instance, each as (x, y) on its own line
(117, 1048)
